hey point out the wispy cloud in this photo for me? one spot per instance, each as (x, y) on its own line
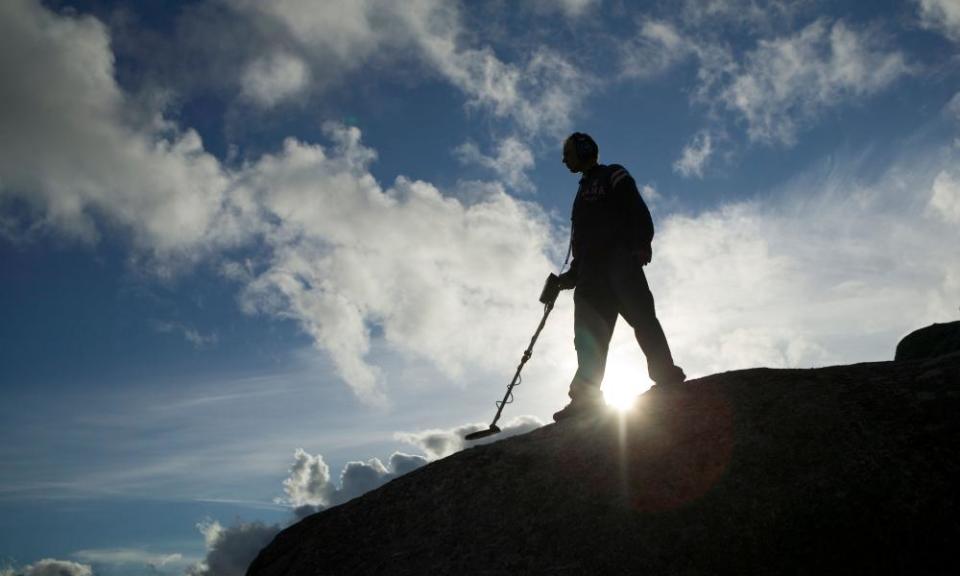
(133, 559)
(512, 161)
(945, 200)
(789, 81)
(695, 156)
(657, 46)
(189, 333)
(538, 93)
(941, 15)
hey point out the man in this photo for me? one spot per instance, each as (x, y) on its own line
(611, 240)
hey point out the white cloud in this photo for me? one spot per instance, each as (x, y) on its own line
(231, 550)
(831, 269)
(426, 268)
(657, 46)
(442, 443)
(309, 481)
(309, 486)
(151, 179)
(511, 163)
(779, 87)
(941, 15)
(128, 557)
(649, 193)
(695, 156)
(344, 253)
(788, 82)
(953, 107)
(945, 200)
(539, 94)
(272, 79)
(51, 567)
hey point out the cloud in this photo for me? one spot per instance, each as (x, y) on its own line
(941, 15)
(758, 15)
(539, 94)
(72, 153)
(127, 558)
(309, 487)
(347, 254)
(569, 8)
(945, 200)
(189, 333)
(231, 550)
(442, 443)
(511, 163)
(650, 194)
(834, 268)
(309, 481)
(790, 81)
(270, 80)
(657, 47)
(50, 567)
(779, 87)
(695, 156)
(952, 108)
(343, 255)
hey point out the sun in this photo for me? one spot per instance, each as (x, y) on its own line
(622, 385)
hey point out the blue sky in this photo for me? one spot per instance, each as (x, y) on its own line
(265, 256)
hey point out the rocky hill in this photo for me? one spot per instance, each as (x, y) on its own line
(839, 470)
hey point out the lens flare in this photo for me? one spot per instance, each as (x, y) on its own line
(622, 386)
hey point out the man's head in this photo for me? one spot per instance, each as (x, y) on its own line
(580, 152)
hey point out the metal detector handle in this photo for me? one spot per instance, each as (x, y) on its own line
(551, 289)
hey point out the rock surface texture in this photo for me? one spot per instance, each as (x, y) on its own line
(839, 470)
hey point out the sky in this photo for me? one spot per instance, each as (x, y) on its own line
(259, 258)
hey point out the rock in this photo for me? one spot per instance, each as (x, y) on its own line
(846, 469)
(930, 342)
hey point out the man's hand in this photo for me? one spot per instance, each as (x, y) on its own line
(644, 254)
(568, 280)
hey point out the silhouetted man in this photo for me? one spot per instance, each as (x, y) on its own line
(611, 242)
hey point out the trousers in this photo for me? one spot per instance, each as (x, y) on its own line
(618, 287)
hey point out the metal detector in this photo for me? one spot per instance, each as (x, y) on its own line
(551, 289)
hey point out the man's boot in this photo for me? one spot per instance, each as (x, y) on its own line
(673, 376)
(585, 404)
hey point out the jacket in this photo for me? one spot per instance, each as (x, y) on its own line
(608, 215)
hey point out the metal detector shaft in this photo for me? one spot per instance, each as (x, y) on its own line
(549, 295)
(526, 356)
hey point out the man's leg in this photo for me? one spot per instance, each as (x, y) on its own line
(594, 316)
(636, 304)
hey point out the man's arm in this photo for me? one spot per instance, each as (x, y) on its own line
(638, 231)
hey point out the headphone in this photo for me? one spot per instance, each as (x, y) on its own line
(585, 147)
